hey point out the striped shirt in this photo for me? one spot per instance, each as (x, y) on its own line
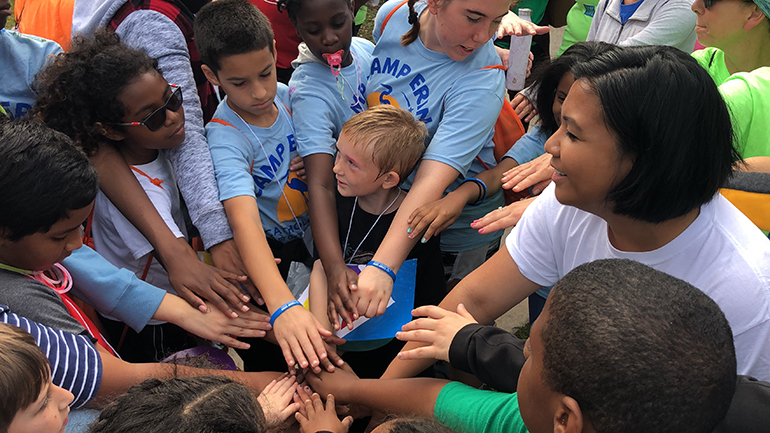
(75, 363)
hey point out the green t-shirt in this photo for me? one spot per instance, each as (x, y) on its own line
(537, 7)
(748, 96)
(579, 19)
(469, 410)
(713, 60)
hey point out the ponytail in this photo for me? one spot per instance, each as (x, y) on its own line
(414, 19)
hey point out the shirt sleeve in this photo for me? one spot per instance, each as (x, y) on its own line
(468, 121)
(529, 147)
(75, 363)
(671, 24)
(232, 154)
(112, 291)
(737, 95)
(313, 120)
(492, 354)
(469, 410)
(193, 168)
(530, 242)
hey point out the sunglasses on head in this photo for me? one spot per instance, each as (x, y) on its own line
(155, 120)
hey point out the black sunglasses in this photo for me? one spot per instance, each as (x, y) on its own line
(155, 120)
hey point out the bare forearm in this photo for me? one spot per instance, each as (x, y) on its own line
(243, 213)
(323, 208)
(119, 376)
(415, 396)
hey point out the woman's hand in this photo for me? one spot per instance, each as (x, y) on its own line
(314, 417)
(299, 335)
(192, 278)
(502, 218)
(536, 174)
(341, 283)
(436, 330)
(433, 218)
(512, 25)
(277, 401)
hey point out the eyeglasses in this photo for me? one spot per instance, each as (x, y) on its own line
(155, 120)
(709, 3)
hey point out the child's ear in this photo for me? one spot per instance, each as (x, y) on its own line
(568, 417)
(275, 53)
(392, 180)
(108, 132)
(211, 75)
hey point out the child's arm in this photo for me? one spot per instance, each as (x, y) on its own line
(323, 221)
(440, 214)
(120, 375)
(318, 298)
(399, 396)
(187, 274)
(297, 331)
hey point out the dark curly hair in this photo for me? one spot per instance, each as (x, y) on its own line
(80, 88)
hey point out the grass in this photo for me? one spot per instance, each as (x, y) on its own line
(11, 20)
(522, 331)
(368, 25)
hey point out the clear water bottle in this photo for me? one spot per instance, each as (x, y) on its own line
(519, 56)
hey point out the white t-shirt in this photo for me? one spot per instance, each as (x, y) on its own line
(118, 241)
(722, 253)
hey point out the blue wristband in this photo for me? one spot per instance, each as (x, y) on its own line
(281, 309)
(384, 268)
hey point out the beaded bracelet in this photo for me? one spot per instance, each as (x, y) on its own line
(383, 267)
(281, 309)
(482, 190)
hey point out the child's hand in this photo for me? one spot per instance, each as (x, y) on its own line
(298, 165)
(216, 326)
(192, 278)
(299, 335)
(338, 383)
(374, 289)
(512, 25)
(314, 417)
(437, 330)
(226, 257)
(537, 172)
(342, 301)
(523, 107)
(502, 218)
(276, 401)
(436, 216)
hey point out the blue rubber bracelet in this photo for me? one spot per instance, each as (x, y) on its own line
(281, 309)
(384, 268)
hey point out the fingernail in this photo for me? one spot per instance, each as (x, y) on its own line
(423, 240)
(411, 236)
(245, 308)
(307, 388)
(245, 298)
(409, 230)
(481, 231)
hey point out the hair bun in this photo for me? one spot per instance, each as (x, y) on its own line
(413, 17)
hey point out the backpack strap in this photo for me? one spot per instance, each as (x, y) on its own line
(387, 18)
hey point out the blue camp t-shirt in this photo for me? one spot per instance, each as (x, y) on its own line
(21, 57)
(254, 161)
(459, 102)
(319, 107)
